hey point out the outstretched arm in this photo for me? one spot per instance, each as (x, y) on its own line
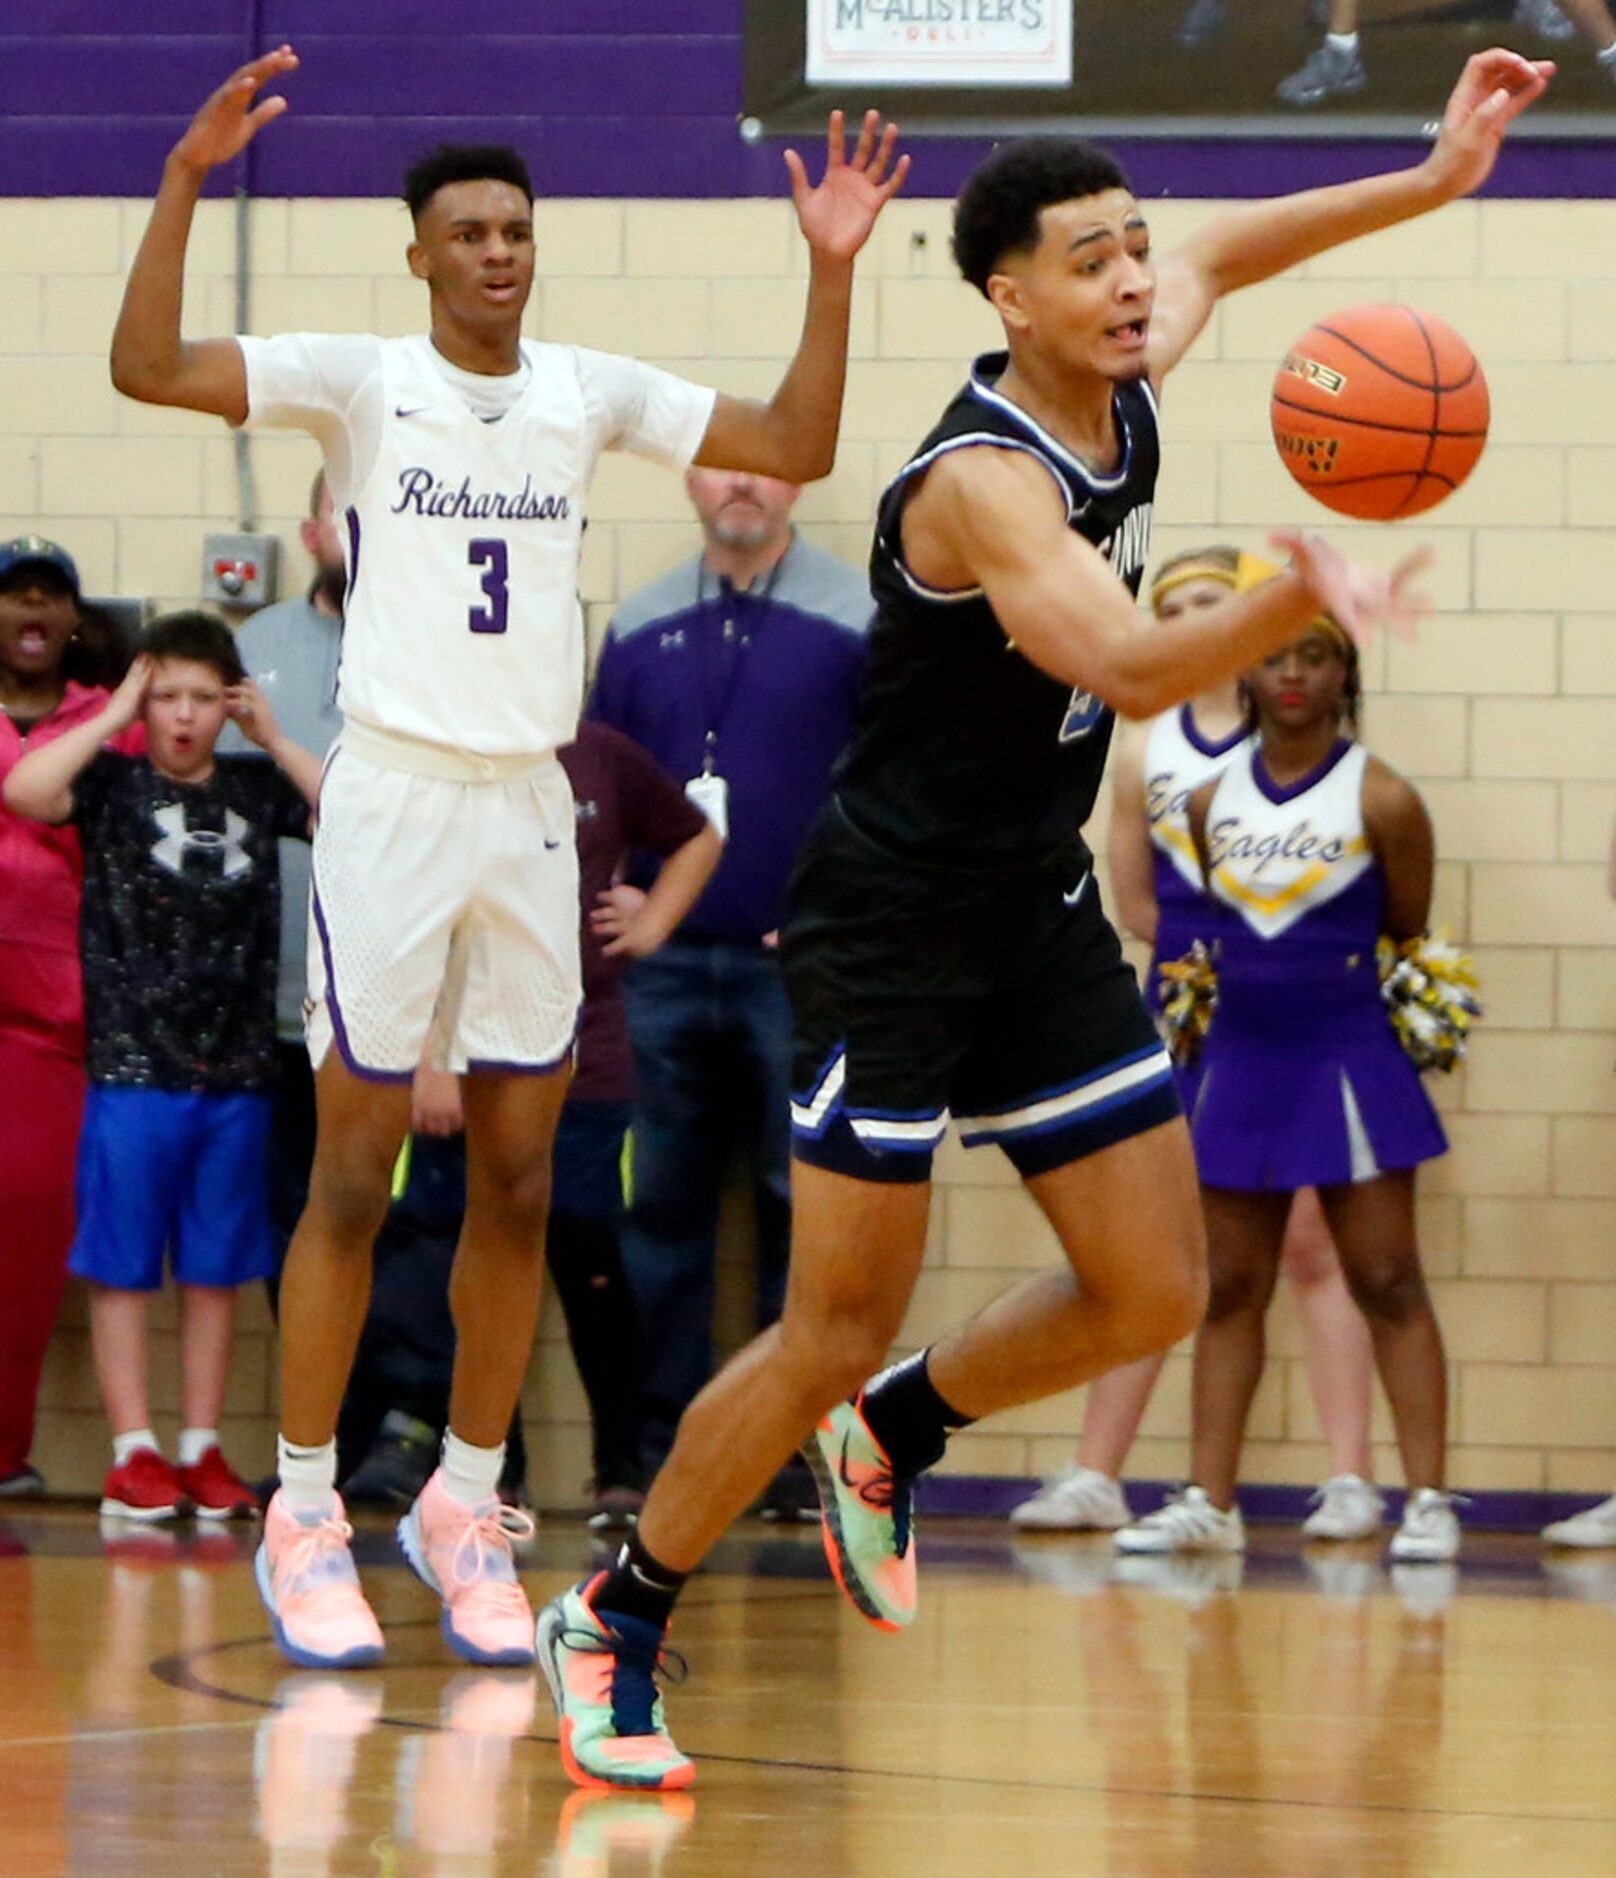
(1253, 244)
(992, 518)
(150, 361)
(793, 436)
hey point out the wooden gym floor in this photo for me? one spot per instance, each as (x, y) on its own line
(1055, 1710)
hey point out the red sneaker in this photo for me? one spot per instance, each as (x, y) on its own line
(215, 1489)
(145, 1487)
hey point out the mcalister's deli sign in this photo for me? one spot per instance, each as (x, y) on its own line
(940, 42)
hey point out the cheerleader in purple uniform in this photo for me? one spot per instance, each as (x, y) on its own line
(1311, 849)
(1156, 882)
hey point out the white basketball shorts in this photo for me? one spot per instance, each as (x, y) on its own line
(434, 892)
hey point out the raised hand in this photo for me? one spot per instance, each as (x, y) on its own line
(250, 709)
(235, 114)
(1494, 88)
(1360, 599)
(838, 214)
(123, 707)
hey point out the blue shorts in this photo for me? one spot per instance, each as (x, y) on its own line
(182, 1171)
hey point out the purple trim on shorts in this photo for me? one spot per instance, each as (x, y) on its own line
(1205, 745)
(339, 1029)
(353, 555)
(1288, 792)
(489, 1066)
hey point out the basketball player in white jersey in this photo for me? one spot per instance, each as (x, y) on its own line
(445, 871)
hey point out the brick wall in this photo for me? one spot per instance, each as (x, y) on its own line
(1502, 711)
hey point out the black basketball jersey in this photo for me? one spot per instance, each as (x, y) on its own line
(963, 751)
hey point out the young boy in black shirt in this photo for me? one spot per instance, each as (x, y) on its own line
(179, 933)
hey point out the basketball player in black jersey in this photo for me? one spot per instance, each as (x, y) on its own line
(946, 952)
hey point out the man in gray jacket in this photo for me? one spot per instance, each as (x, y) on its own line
(292, 650)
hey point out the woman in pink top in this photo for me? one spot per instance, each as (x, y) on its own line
(54, 659)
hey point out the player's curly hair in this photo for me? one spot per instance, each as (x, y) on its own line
(997, 212)
(202, 637)
(462, 163)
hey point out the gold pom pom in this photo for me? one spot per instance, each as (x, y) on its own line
(1429, 987)
(1189, 998)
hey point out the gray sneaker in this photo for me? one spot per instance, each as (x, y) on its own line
(1345, 1508)
(1330, 73)
(1204, 21)
(1544, 18)
(1188, 1522)
(1595, 1527)
(1080, 1500)
(1429, 1534)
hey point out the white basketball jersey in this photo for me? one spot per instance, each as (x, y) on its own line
(1175, 767)
(462, 623)
(1279, 854)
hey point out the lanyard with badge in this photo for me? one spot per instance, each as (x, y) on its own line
(710, 790)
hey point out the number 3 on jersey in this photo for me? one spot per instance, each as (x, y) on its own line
(492, 555)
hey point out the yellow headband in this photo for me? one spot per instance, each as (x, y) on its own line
(1185, 572)
(1254, 570)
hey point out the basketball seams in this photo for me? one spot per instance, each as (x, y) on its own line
(1434, 384)
(1391, 475)
(1371, 423)
(1436, 414)
(1350, 459)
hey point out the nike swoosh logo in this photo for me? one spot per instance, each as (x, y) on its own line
(841, 1464)
(413, 410)
(551, 844)
(1077, 893)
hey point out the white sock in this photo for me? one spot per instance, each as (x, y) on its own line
(195, 1442)
(308, 1476)
(1341, 42)
(471, 1475)
(1608, 56)
(136, 1439)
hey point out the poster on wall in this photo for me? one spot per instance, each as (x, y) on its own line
(939, 42)
(1166, 68)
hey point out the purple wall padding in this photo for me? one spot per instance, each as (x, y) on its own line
(604, 97)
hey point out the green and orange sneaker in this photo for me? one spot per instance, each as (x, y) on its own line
(869, 1517)
(602, 1671)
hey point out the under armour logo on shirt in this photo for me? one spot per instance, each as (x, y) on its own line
(177, 840)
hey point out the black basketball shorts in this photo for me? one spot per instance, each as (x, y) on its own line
(998, 998)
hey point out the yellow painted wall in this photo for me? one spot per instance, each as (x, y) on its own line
(1502, 711)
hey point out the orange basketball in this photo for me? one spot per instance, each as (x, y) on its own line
(1380, 412)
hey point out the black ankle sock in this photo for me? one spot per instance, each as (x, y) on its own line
(908, 1417)
(638, 1586)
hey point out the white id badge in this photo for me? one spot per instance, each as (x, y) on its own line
(711, 795)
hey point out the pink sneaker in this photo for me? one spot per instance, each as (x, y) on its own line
(464, 1554)
(307, 1580)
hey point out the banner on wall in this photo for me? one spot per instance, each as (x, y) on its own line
(1162, 68)
(939, 42)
